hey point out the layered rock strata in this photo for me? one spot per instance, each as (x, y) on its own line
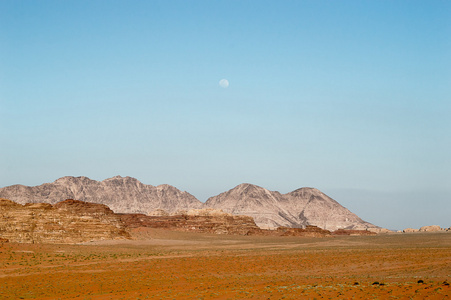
(73, 221)
(217, 222)
(203, 221)
(66, 222)
(308, 231)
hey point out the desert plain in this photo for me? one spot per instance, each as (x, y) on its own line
(163, 264)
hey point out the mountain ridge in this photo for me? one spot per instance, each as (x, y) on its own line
(298, 209)
(270, 209)
(121, 194)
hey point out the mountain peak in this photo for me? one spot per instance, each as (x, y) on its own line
(67, 179)
(119, 177)
(247, 187)
(306, 191)
(245, 184)
(299, 208)
(167, 187)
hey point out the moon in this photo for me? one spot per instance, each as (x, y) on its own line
(224, 83)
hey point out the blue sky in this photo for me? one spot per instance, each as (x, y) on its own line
(350, 97)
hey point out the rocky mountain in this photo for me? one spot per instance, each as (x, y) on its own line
(254, 201)
(121, 194)
(66, 222)
(270, 209)
(302, 207)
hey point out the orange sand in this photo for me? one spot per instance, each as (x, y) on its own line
(195, 266)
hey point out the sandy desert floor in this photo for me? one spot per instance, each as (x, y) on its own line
(161, 264)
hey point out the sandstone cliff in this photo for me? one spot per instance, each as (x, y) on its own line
(121, 194)
(200, 220)
(73, 221)
(308, 231)
(217, 222)
(68, 221)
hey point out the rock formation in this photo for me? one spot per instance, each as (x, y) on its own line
(302, 207)
(298, 209)
(380, 230)
(66, 222)
(121, 194)
(431, 228)
(308, 231)
(217, 222)
(201, 220)
(73, 221)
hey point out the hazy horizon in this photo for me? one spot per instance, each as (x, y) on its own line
(352, 98)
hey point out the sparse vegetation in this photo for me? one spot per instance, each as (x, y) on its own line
(198, 266)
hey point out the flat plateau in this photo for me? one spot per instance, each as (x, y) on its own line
(162, 264)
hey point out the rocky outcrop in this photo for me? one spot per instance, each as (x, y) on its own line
(73, 221)
(308, 231)
(431, 228)
(298, 209)
(202, 221)
(217, 222)
(66, 222)
(121, 194)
